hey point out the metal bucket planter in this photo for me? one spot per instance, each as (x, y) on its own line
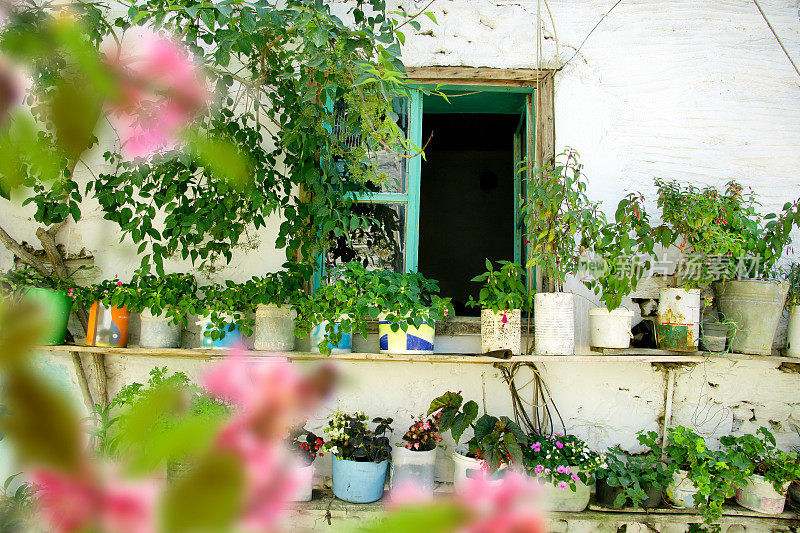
(793, 333)
(412, 341)
(607, 495)
(158, 331)
(610, 329)
(680, 491)
(554, 323)
(358, 482)
(317, 336)
(107, 326)
(715, 336)
(55, 307)
(678, 321)
(501, 330)
(566, 500)
(232, 338)
(410, 467)
(466, 468)
(759, 495)
(274, 329)
(755, 307)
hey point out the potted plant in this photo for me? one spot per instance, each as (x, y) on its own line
(414, 457)
(495, 444)
(108, 316)
(306, 446)
(701, 478)
(330, 316)
(769, 471)
(163, 304)
(636, 480)
(565, 467)
(274, 298)
(561, 222)
(793, 303)
(735, 248)
(622, 253)
(52, 297)
(407, 307)
(502, 299)
(222, 315)
(360, 456)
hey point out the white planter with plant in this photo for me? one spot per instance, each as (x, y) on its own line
(726, 240)
(305, 446)
(561, 223)
(502, 299)
(414, 458)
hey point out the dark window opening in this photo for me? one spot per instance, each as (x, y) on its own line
(466, 200)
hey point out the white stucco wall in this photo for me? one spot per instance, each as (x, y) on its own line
(690, 89)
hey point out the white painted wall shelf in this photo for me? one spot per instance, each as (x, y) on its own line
(626, 356)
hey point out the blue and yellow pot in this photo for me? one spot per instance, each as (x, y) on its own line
(412, 341)
(317, 336)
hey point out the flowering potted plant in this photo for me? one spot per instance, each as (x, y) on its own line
(223, 315)
(54, 299)
(496, 442)
(621, 253)
(330, 316)
(701, 478)
(769, 471)
(414, 458)
(637, 480)
(306, 446)
(360, 456)
(561, 222)
(792, 276)
(407, 306)
(163, 302)
(735, 247)
(565, 467)
(502, 299)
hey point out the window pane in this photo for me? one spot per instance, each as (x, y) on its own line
(380, 246)
(390, 164)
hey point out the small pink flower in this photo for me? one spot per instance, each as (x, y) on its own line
(562, 485)
(546, 470)
(575, 478)
(446, 312)
(539, 469)
(119, 284)
(416, 445)
(561, 469)
(537, 447)
(567, 470)
(559, 445)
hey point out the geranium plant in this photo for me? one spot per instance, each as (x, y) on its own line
(350, 438)
(635, 474)
(423, 435)
(714, 474)
(503, 289)
(496, 441)
(621, 253)
(305, 444)
(722, 233)
(561, 219)
(764, 458)
(562, 460)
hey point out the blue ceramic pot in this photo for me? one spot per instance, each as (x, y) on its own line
(358, 482)
(230, 340)
(318, 335)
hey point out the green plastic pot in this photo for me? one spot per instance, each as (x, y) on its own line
(55, 306)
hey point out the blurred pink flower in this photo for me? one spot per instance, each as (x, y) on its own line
(10, 88)
(160, 93)
(408, 493)
(81, 502)
(503, 507)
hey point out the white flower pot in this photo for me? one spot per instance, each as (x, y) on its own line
(759, 495)
(499, 335)
(680, 491)
(678, 323)
(413, 467)
(305, 484)
(158, 332)
(610, 329)
(466, 468)
(554, 323)
(274, 329)
(412, 341)
(793, 333)
(567, 500)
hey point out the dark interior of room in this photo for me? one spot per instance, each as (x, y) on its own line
(466, 200)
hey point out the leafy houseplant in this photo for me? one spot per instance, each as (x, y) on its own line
(495, 441)
(792, 276)
(172, 296)
(562, 460)
(634, 479)
(502, 299)
(766, 463)
(701, 477)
